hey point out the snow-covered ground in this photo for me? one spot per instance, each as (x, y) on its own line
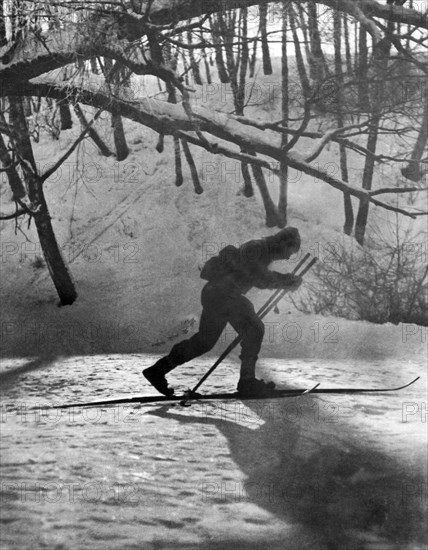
(314, 472)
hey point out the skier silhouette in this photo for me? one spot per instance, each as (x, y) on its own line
(230, 275)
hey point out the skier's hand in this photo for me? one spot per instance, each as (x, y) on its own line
(294, 282)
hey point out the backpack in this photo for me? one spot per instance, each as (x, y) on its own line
(217, 267)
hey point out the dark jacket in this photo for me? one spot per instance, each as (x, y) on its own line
(242, 268)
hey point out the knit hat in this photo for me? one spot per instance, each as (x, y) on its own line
(288, 236)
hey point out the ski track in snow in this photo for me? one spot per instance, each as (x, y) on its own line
(315, 472)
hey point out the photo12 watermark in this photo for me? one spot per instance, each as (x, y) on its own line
(90, 492)
(127, 252)
(412, 411)
(259, 491)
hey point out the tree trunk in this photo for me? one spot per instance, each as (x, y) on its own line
(121, 146)
(347, 46)
(114, 77)
(193, 63)
(160, 143)
(377, 92)
(15, 182)
(283, 176)
(271, 211)
(413, 170)
(243, 64)
(159, 57)
(228, 34)
(318, 65)
(247, 190)
(337, 38)
(347, 203)
(26, 103)
(3, 40)
(58, 270)
(253, 58)
(306, 87)
(54, 260)
(363, 210)
(409, 29)
(19, 124)
(221, 67)
(207, 66)
(356, 48)
(193, 171)
(94, 65)
(65, 115)
(362, 74)
(304, 27)
(267, 65)
(227, 30)
(178, 167)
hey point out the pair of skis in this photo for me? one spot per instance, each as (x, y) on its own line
(189, 396)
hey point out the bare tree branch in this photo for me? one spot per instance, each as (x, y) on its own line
(397, 190)
(16, 214)
(64, 157)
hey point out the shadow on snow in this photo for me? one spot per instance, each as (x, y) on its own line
(340, 491)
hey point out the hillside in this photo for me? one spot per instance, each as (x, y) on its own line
(134, 242)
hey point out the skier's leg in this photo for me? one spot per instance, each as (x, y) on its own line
(211, 325)
(243, 318)
(250, 327)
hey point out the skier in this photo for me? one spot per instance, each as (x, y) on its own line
(230, 275)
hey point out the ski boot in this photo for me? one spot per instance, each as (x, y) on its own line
(252, 387)
(156, 376)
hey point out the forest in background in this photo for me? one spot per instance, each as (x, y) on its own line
(352, 79)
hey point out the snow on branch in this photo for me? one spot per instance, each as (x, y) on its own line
(172, 119)
(181, 10)
(353, 8)
(34, 55)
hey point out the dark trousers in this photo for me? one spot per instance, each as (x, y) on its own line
(222, 305)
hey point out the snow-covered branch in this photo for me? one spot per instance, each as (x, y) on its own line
(354, 7)
(35, 54)
(172, 119)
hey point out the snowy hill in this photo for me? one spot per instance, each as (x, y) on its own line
(134, 242)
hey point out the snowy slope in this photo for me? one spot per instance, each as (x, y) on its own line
(134, 242)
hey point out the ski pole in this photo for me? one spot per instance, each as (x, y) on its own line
(283, 291)
(279, 290)
(264, 310)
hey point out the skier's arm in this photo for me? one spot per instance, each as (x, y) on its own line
(261, 276)
(272, 279)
